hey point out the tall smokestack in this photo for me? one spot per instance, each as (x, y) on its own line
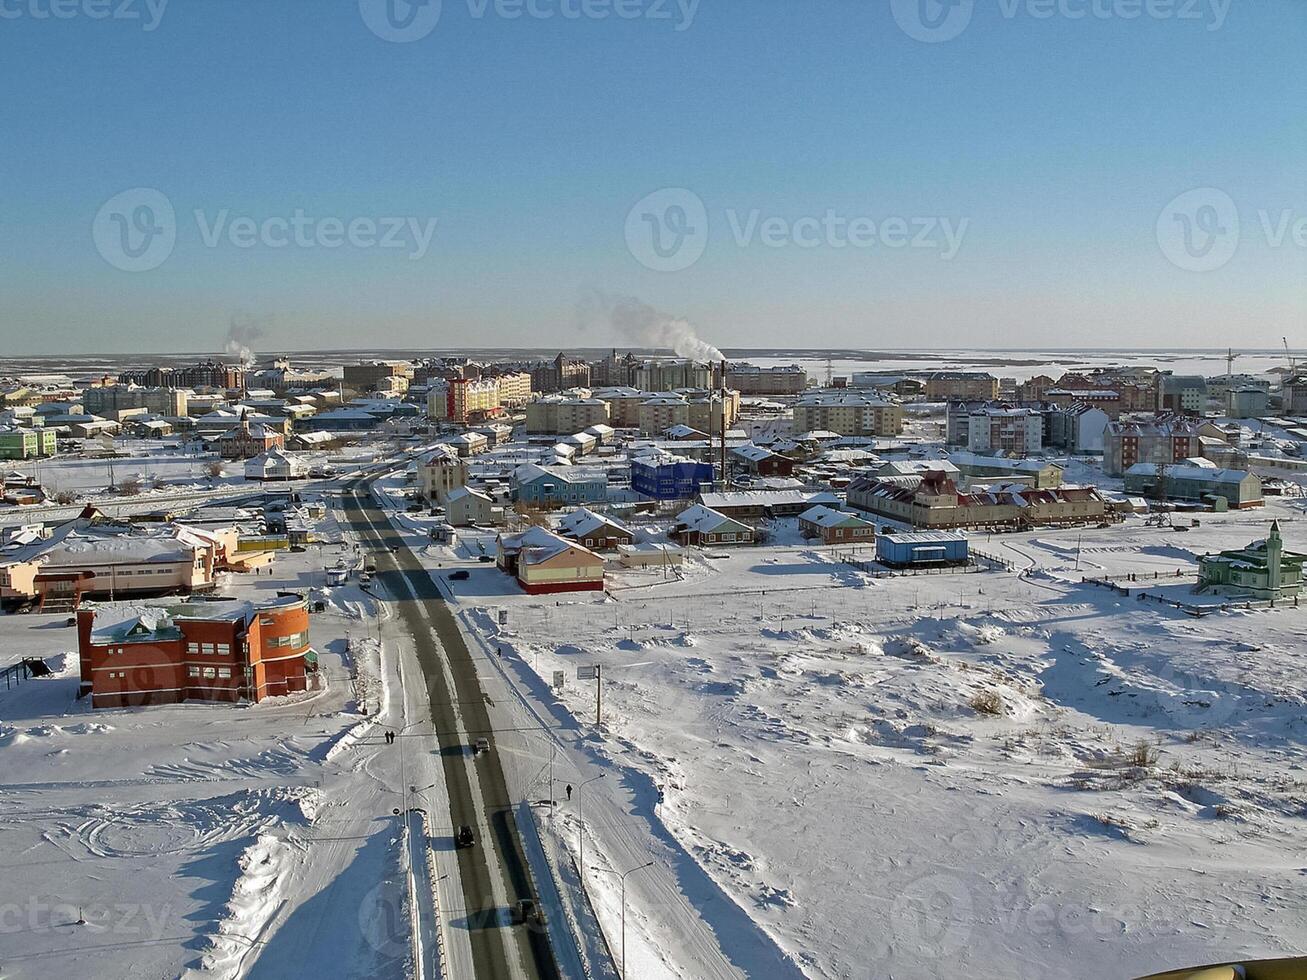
(725, 480)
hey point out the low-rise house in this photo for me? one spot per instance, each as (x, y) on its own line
(544, 562)
(1263, 569)
(594, 531)
(212, 651)
(914, 549)
(757, 505)
(246, 440)
(468, 443)
(700, 525)
(835, 526)
(276, 464)
(465, 507)
(541, 486)
(1222, 488)
(760, 461)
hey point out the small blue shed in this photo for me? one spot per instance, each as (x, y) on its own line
(911, 548)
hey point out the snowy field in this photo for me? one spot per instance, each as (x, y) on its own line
(203, 840)
(1005, 774)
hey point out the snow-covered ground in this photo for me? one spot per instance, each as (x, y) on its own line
(206, 840)
(1006, 774)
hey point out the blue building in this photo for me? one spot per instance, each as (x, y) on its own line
(665, 476)
(917, 548)
(554, 486)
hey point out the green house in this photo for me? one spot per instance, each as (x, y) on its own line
(1263, 569)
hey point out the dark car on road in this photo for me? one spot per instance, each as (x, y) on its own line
(459, 576)
(464, 837)
(485, 558)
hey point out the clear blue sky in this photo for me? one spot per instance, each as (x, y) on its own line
(1059, 140)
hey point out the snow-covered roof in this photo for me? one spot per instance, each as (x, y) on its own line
(703, 519)
(583, 521)
(824, 516)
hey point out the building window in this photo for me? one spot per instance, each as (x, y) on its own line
(223, 649)
(210, 672)
(224, 671)
(192, 648)
(192, 671)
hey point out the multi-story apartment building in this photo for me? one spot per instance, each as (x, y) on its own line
(440, 473)
(997, 428)
(212, 651)
(1184, 394)
(671, 375)
(614, 371)
(1293, 395)
(469, 401)
(623, 405)
(374, 375)
(661, 412)
(561, 373)
(558, 415)
(110, 401)
(748, 379)
(949, 386)
(206, 374)
(18, 442)
(514, 388)
(850, 413)
(1127, 443)
(711, 412)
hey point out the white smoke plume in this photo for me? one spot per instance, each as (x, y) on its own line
(242, 333)
(641, 324)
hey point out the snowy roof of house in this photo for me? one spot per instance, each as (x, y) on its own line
(824, 516)
(752, 452)
(702, 519)
(767, 498)
(583, 521)
(1200, 473)
(458, 493)
(964, 458)
(536, 545)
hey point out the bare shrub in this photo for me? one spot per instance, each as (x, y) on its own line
(987, 703)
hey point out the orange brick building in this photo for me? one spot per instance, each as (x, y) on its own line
(199, 651)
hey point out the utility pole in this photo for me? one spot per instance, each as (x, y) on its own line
(599, 689)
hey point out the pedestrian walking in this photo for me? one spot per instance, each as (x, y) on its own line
(569, 792)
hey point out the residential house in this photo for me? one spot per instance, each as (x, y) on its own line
(544, 562)
(594, 531)
(1222, 488)
(700, 525)
(557, 486)
(835, 526)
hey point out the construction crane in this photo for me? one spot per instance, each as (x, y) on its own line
(1230, 355)
(1293, 364)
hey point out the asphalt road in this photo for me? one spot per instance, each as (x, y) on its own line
(478, 795)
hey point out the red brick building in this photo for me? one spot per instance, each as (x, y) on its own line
(199, 651)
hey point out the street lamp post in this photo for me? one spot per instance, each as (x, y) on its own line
(622, 875)
(580, 818)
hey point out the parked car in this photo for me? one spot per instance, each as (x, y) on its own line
(460, 575)
(465, 837)
(485, 558)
